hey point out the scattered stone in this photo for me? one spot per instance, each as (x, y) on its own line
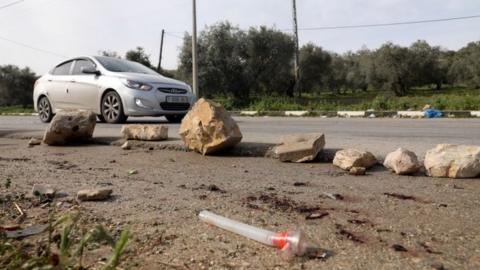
(357, 171)
(316, 215)
(132, 172)
(438, 266)
(34, 142)
(209, 128)
(300, 184)
(145, 132)
(70, 126)
(9, 227)
(358, 221)
(402, 162)
(300, 147)
(94, 194)
(215, 188)
(43, 191)
(333, 196)
(32, 230)
(453, 161)
(127, 145)
(399, 248)
(349, 235)
(349, 158)
(399, 196)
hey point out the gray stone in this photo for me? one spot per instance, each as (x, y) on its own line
(145, 132)
(209, 128)
(126, 146)
(94, 194)
(33, 142)
(453, 161)
(71, 126)
(43, 191)
(348, 158)
(402, 162)
(300, 147)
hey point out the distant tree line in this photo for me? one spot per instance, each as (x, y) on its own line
(16, 86)
(241, 64)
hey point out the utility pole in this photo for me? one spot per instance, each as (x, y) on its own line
(296, 65)
(194, 50)
(159, 68)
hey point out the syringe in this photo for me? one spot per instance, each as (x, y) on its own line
(290, 242)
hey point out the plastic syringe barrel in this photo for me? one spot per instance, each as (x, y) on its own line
(254, 233)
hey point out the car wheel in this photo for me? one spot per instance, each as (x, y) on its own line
(112, 108)
(45, 112)
(175, 118)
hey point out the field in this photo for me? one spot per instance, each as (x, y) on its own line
(445, 99)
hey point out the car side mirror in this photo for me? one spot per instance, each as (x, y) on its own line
(90, 70)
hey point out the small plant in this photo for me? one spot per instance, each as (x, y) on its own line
(69, 249)
(118, 250)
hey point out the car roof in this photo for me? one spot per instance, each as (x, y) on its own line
(75, 58)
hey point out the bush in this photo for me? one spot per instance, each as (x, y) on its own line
(448, 101)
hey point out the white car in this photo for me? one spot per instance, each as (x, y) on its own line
(112, 88)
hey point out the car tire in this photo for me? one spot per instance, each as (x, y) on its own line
(45, 112)
(112, 108)
(175, 118)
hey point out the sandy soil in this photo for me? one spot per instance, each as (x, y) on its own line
(380, 221)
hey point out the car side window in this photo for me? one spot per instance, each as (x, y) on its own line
(80, 64)
(63, 69)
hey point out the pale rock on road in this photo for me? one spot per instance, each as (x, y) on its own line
(379, 136)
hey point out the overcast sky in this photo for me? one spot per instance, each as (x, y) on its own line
(83, 27)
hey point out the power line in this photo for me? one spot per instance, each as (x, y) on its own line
(387, 24)
(31, 47)
(173, 35)
(369, 25)
(11, 4)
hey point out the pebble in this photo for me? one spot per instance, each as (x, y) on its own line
(94, 194)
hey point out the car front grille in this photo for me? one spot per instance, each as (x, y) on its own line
(172, 90)
(174, 106)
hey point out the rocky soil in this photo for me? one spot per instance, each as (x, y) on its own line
(376, 221)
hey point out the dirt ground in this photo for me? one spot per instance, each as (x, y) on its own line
(378, 221)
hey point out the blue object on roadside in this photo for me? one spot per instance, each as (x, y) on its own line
(432, 113)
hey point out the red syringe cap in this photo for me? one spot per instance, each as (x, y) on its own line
(292, 243)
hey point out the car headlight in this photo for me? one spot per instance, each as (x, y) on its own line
(136, 85)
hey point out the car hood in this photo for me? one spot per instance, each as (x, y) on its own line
(149, 78)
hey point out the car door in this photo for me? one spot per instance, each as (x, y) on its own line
(84, 91)
(58, 85)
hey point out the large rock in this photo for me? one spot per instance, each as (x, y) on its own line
(209, 128)
(349, 158)
(300, 147)
(71, 126)
(402, 162)
(454, 161)
(145, 132)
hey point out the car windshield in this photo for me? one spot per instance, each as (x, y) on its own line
(119, 65)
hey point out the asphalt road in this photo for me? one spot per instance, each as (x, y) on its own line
(380, 135)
